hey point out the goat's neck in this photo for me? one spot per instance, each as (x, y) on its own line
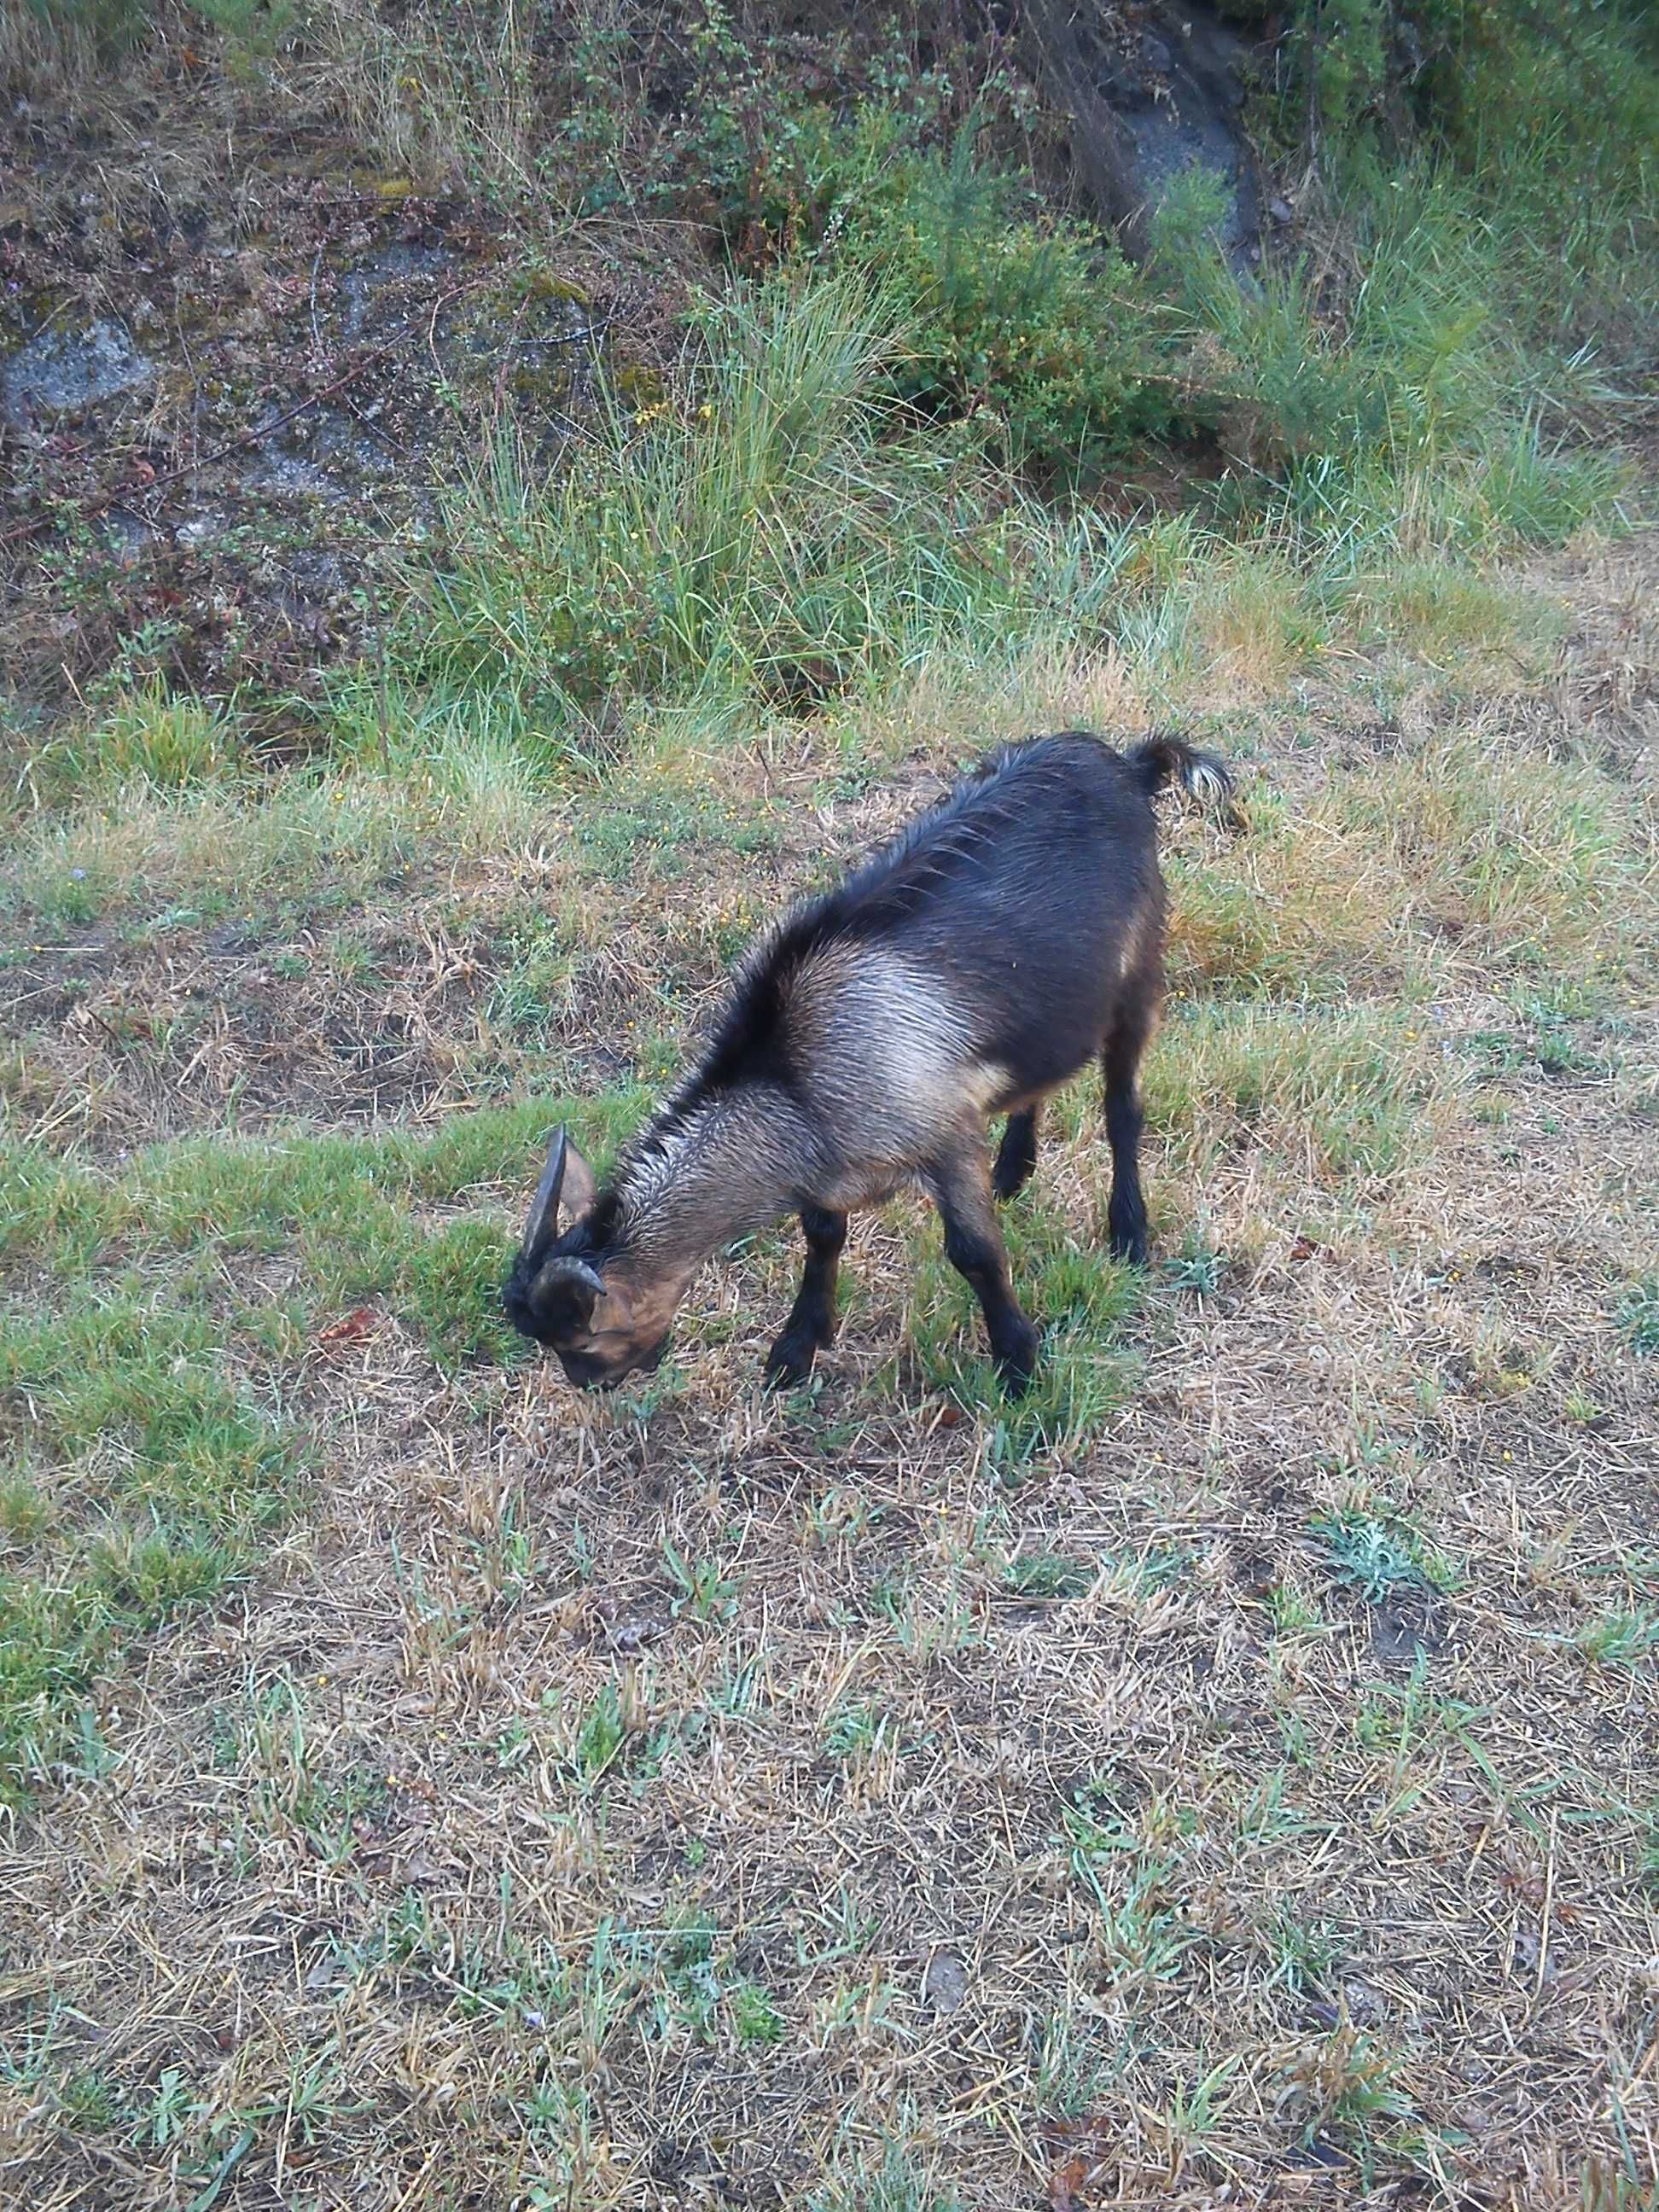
(717, 1170)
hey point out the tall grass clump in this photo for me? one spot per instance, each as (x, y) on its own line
(43, 42)
(1446, 371)
(1549, 115)
(145, 744)
(773, 528)
(1403, 412)
(1554, 112)
(446, 96)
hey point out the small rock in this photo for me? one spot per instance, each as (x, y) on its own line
(944, 1984)
(61, 371)
(1281, 211)
(197, 529)
(127, 538)
(287, 474)
(634, 1630)
(325, 1972)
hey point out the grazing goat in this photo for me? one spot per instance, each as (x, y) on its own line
(1011, 933)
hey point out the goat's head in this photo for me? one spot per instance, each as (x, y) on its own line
(578, 1289)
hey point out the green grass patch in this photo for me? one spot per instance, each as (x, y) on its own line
(650, 832)
(1343, 1088)
(224, 848)
(1080, 1297)
(151, 1472)
(147, 742)
(1639, 1316)
(151, 1394)
(1545, 858)
(1621, 1640)
(1376, 1558)
(1049, 1574)
(758, 532)
(896, 2179)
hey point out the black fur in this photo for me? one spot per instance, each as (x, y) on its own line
(1162, 761)
(1013, 882)
(1015, 1155)
(811, 1322)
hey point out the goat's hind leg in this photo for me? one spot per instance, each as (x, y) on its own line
(811, 1322)
(1120, 1063)
(1016, 1154)
(973, 1244)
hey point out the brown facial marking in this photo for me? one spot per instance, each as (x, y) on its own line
(627, 1327)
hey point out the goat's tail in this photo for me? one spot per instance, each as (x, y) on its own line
(1203, 776)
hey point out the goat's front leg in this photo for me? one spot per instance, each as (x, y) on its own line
(811, 1322)
(973, 1244)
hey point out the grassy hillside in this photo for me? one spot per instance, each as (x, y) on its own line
(1226, 1776)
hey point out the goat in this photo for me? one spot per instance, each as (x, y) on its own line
(1013, 932)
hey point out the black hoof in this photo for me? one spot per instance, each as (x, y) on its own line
(789, 1363)
(1126, 1237)
(1017, 1363)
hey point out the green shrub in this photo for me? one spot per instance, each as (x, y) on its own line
(1036, 318)
(1342, 53)
(1033, 319)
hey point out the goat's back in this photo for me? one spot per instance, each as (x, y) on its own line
(979, 958)
(1029, 892)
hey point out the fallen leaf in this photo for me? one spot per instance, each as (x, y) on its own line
(1530, 1887)
(1066, 2184)
(360, 1323)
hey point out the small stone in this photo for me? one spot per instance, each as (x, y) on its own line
(1281, 211)
(198, 529)
(944, 1984)
(61, 371)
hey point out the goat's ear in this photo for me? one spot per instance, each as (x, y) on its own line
(581, 1185)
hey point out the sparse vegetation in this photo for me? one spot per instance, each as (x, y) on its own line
(1203, 1777)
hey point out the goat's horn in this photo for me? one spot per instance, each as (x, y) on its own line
(543, 1225)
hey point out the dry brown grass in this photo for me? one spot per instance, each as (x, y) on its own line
(441, 103)
(696, 1799)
